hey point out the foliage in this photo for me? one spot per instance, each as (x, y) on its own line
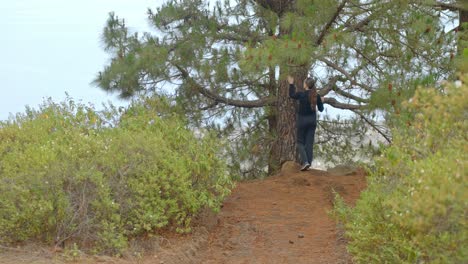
(70, 173)
(344, 141)
(248, 150)
(414, 209)
(228, 59)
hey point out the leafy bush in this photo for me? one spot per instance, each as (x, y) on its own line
(70, 173)
(415, 207)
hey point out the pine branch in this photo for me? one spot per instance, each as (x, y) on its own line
(330, 23)
(210, 106)
(346, 74)
(329, 86)
(333, 102)
(367, 58)
(239, 38)
(360, 25)
(236, 34)
(221, 99)
(448, 6)
(374, 126)
(349, 95)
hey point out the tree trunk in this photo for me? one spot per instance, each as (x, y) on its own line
(285, 143)
(463, 31)
(463, 16)
(282, 120)
(273, 157)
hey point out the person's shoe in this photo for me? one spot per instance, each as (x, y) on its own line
(305, 166)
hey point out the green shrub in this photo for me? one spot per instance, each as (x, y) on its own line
(415, 207)
(70, 173)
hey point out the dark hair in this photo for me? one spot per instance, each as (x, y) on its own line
(310, 83)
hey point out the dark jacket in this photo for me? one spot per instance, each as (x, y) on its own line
(304, 101)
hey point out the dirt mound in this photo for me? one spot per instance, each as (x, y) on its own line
(289, 167)
(344, 170)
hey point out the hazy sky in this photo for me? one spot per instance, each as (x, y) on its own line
(49, 47)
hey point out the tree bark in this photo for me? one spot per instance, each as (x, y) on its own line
(285, 143)
(273, 157)
(463, 31)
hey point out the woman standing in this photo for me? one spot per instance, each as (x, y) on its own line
(306, 123)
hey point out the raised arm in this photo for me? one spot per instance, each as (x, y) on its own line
(292, 89)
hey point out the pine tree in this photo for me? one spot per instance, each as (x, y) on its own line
(227, 63)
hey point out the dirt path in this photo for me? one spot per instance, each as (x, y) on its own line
(282, 219)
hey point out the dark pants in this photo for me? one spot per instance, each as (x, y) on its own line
(306, 125)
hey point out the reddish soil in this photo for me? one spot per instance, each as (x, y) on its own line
(281, 219)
